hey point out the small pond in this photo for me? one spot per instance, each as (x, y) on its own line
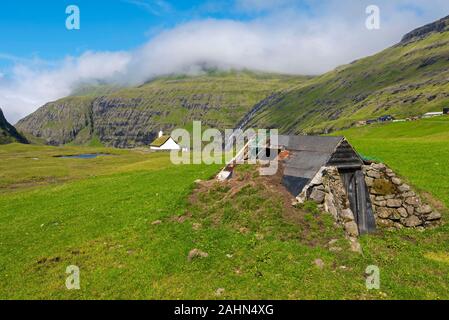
(84, 156)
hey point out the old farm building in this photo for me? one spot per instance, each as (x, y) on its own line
(307, 155)
(164, 142)
(360, 196)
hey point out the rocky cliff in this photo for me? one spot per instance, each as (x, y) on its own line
(441, 25)
(8, 133)
(133, 116)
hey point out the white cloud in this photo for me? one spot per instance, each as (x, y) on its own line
(286, 40)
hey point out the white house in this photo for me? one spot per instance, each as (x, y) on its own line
(164, 143)
(432, 114)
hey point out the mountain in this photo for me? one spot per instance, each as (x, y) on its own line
(130, 117)
(9, 134)
(408, 79)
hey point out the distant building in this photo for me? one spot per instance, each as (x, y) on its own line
(371, 121)
(446, 111)
(164, 143)
(433, 114)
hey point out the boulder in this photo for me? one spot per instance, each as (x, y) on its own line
(317, 196)
(424, 209)
(404, 188)
(410, 210)
(196, 253)
(403, 212)
(347, 215)
(413, 201)
(396, 181)
(394, 203)
(385, 223)
(373, 174)
(412, 221)
(352, 229)
(433, 216)
(384, 213)
(369, 181)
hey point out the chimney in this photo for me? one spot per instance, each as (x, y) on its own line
(161, 133)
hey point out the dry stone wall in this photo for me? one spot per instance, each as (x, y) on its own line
(395, 204)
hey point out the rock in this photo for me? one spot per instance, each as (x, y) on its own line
(413, 201)
(410, 210)
(412, 221)
(433, 216)
(347, 215)
(369, 181)
(157, 222)
(404, 188)
(355, 246)
(396, 216)
(329, 205)
(196, 226)
(398, 225)
(352, 229)
(389, 197)
(317, 196)
(219, 292)
(403, 212)
(319, 263)
(384, 223)
(394, 203)
(196, 253)
(396, 181)
(380, 198)
(373, 174)
(424, 209)
(380, 203)
(379, 166)
(409, 194)
(384, 213)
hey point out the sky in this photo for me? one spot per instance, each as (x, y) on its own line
(128, 42)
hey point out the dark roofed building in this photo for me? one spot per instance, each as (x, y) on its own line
(307, 155)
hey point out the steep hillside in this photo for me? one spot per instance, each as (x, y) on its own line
(408, 79)
(8, 133)
(132, 116)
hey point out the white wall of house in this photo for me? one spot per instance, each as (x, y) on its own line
(170, 144)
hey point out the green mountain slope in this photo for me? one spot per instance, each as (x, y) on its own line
(132, 116)
(408, 79)
(9, 134)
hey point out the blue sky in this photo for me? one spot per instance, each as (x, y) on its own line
(130, 41)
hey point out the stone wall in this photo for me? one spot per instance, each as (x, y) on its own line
(328, 191)
(395, 204)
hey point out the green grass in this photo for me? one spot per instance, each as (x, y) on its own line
(99, 217)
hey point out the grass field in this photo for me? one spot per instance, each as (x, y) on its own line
(98, 214)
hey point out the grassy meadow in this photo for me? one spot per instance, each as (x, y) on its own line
(100, 214)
